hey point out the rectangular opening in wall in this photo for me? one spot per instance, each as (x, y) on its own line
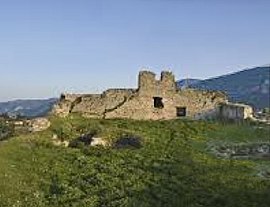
(181, 111)
(158, 102)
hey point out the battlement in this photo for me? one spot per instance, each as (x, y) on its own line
(148, 84)
(147, 81)
(168, 81)
(167, 75)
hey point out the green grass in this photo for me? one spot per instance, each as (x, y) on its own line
(241, 132)
(171, 169)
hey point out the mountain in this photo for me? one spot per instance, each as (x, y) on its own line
(249, 86)
(187, 82)
(27, 108)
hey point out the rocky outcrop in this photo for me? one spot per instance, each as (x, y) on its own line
(98, 141)
(38, 124)
(243, 151)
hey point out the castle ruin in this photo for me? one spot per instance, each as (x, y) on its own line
(152, 100)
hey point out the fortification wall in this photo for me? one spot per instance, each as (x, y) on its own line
(195, 103)
(92, 105)
(199, 102)
(154, 99)
(70, 97)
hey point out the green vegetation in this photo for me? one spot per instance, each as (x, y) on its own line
(6, 130)
(266, 110)
(172, 168)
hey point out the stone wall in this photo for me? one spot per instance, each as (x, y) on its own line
(92, 105)
(142, 106)
(141, 103)
(235, 111)
(150, 86)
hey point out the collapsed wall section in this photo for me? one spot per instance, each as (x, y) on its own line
(92, 105)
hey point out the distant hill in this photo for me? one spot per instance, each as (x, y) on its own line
(27, 108)
(249, 86)
(187, 82)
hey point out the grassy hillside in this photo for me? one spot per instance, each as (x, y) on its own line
(172, 168)
(6, 130)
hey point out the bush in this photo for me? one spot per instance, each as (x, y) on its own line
(83, 140)
(6, 130)
(128, 141)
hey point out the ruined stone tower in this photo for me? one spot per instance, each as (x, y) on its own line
(149, 86)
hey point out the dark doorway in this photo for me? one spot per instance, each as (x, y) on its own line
(158, 102)
(181, 111)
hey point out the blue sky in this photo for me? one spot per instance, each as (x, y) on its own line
(53, 46)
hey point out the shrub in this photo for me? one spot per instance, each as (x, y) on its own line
(128, 141)
(6, 130)
(83, 140)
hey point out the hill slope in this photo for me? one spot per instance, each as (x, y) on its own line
(250, 86)
(187, 82)
(27, 108)
(171, 168)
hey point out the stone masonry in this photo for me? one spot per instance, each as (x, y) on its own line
(152, 100)
(235, 111)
